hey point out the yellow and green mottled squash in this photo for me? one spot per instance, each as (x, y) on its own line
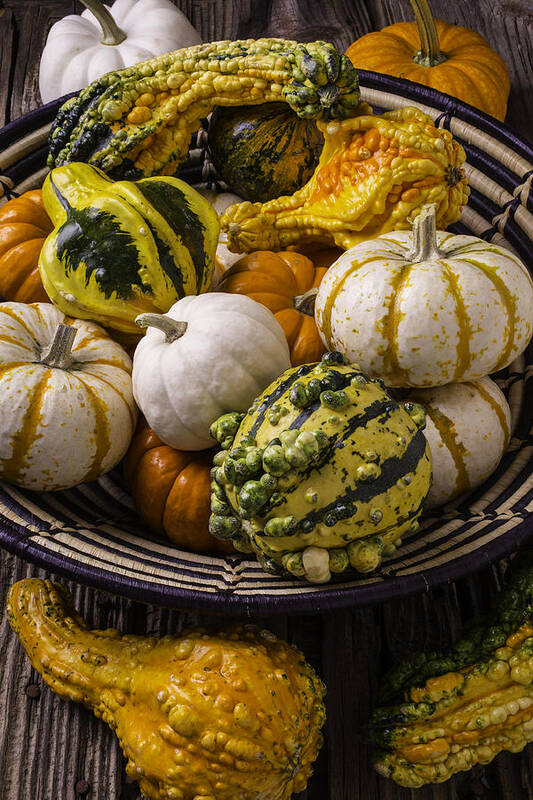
(138, 121)
(126, 248)
(263, 151)
(462, 707)
(324, 472)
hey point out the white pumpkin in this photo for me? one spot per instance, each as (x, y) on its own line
(224, 258)
(80, 49)
(209, 354)
(428, 308)
(67, 412)
(468, 429)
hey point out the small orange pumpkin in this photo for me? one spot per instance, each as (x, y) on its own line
(171, 490)
(283, 282)
(24, 225)
(449, 58)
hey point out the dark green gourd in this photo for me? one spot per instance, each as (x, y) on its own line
(263, 151)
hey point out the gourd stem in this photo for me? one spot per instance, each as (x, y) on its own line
(306, 302)
(424, 238)
(112, 34)
(430, 54)
(172, 328)
(59, 353)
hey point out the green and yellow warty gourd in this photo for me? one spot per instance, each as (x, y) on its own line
(461, 707)
(138, 121)
(373, 175)
(426, 309)
(199, 716)
(125, 248)
(325, 471)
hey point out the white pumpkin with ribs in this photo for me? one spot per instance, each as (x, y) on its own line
(468, 429)
(426, 308)
(66, 403)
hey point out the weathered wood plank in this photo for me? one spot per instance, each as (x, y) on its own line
(7, 33)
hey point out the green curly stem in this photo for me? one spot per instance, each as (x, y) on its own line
(430, 54)
(112, 34)
(59, 354)
(173, 329)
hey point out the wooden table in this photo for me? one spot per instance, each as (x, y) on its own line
(52, 750)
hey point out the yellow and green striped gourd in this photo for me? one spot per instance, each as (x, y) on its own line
(325, 471)
(125, 248)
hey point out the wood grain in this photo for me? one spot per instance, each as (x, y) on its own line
(49, 747)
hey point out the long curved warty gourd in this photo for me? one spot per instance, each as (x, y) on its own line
(199, 716)
(374, 174)
(457, 708)
(138, 121)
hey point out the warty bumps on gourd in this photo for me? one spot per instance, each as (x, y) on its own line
(457, 708)
(138, 121)
(199, 716)
(324, 472)
(374, 173)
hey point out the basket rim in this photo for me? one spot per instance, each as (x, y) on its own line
(357, 594)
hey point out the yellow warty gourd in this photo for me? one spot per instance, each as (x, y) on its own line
(199, 716)
(374, 173)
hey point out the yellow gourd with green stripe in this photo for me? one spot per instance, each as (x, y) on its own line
(428, 308)
(324, 472)
(126, 248)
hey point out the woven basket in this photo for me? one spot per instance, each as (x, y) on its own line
(92, 534)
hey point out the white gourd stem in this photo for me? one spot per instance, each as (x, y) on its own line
(59, 353)
(172, 328)
(430, 54)
(306, 302)
(112, 34)
(424, 236)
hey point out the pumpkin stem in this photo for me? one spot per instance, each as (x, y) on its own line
(172, 328)
(430, 54)
(306, 302)
(59, 353)
(424, 238)
(112, 34)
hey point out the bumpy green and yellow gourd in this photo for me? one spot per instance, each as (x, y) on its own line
(459, 708)
(374, 174)
(138, 121)
(200, 716)
(126, 248)
(324, 472)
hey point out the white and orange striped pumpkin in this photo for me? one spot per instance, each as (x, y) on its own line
(468, 429)
(426, 308)
(66, 403)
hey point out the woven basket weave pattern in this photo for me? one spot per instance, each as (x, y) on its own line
(92, 532)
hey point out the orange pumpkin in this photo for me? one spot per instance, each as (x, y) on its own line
(447, 57)
(282, 282)
(171, 490)
(24, 225)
